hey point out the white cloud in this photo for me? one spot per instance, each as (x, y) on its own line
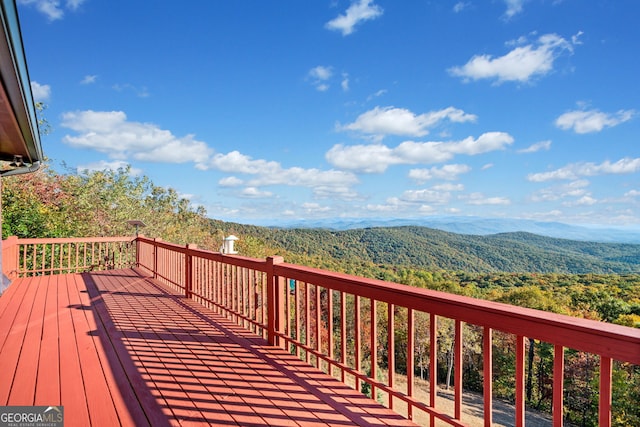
(321, 72)
(538, 146)
(581, 121)
(41, 93)
(362, 158)
(377, 94)
(585, 200)
(345, 82)
(254, 193)
(522, 64)
(237, 162)
(576, 170)
(103, 165)
(573, 189)
(446, 172)
(399, 121)
(460, 6)
(362, 10)
(52, 8)
(74, 4)
(89, 79)
(426, 195)
(448, 187)
(481, 199)
(230, 181)
(392, 205)
(376, 158)
(319, 77)
(575, 39)
(514, 7)
(111, 133)
(141, 92)
(324, 183)
(313, 208)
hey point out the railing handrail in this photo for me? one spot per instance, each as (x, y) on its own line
(239, 260)
(49, 240)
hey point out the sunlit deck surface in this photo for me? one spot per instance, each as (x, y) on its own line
(118, 348)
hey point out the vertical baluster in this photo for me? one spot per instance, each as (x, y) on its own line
(356, 338)
(604, 404)
(264, 306)
(233, 284)
(520, 378)
(457, 369)
(558, 385)
(247, 297)
(220, 287)
(343, 333)
(391, 349)
(433, 363)
(252, 301)
(243, 293)
(84, 255)
(297, 303)
(374, 345)
(78, 263)
(487, 352)
(318, 332)
(53, 266)
(307, 339)
(287, 301)
(44, 252)
(330, 340)
(410, 359)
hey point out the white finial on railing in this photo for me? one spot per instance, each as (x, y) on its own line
(227, 245)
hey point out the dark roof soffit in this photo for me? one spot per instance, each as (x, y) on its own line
(19, 133)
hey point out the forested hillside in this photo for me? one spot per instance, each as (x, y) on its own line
(426, 248)
(99, 203)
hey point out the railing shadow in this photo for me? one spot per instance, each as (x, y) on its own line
(201, 367)
(136, 394)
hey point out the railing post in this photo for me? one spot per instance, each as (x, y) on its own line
(9, 260)
(155, 257)
(137, 242)
(188, 270)
(275, 305)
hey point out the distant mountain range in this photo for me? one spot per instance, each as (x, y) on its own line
(432, 249)
(481, 226)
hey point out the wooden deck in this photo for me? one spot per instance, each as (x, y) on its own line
(117, 348)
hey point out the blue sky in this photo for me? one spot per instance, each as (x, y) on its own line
(265, 111)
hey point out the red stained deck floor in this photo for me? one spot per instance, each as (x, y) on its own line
(116, 348)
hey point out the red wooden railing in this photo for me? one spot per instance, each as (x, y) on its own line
(342, 323)
(37, 257)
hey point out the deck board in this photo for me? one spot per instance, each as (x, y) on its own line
(15, 332)
(71, 384)
(48, 385)
(117, 348)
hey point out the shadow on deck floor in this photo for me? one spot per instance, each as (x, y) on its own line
(132, 352)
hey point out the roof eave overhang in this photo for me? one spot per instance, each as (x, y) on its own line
(19, 133)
